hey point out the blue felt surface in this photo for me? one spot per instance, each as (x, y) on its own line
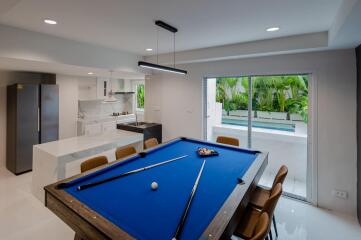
(130, 203)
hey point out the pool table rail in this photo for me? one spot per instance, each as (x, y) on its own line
(227, 218)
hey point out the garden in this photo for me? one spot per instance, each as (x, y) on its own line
(140, 96)
(279, 97)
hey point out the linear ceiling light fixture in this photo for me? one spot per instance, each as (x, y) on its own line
(161, 67)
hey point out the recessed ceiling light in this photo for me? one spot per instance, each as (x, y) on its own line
(50, 21)
(90, 73)
(272, 29)
(149, 49)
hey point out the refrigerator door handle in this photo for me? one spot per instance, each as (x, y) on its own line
(38, 119)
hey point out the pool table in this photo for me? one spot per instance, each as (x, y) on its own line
(127, 207)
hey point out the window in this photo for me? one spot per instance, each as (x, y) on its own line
(140, 96)
(278, 102)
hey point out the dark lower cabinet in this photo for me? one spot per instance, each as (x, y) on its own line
(32, 118)
(149, 130)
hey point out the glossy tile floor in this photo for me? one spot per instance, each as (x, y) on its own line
(297, 220)
(291, 184)
(22, 216)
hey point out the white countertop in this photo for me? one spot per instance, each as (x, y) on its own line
(107, 118)
(83, 143)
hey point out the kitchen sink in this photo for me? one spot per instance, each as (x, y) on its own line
(136, 123)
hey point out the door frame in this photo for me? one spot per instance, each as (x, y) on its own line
(312, 128)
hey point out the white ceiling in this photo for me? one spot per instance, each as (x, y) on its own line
(10, 64)
(128, 24)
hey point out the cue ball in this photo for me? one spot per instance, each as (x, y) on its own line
(154, 185)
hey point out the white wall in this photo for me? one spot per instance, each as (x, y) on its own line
(5, 79)
(272, 46)
(177, 102)
(68, 105)
(87, 88)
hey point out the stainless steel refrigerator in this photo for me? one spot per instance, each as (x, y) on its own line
(32, 118)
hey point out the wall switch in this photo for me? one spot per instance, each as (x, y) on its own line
(339, 194)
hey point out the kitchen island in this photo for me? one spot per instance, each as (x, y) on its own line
(57, 160)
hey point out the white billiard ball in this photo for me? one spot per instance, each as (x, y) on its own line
(154, 185)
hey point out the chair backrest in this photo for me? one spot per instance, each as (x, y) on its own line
(124, 152)
(93, 163)
(228, 140)
(280, 176)
(271, 203)
(262, 227)
(152, 142)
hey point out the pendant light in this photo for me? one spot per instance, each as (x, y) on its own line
(110, 96)
(161, 67)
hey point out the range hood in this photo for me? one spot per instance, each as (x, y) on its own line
(123, 92)
(122, 86)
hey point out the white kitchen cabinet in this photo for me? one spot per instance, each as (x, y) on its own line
(101, 125)
(92, 129)
(109, 126)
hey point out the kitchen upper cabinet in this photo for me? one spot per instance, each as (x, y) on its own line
(102, 88)
(87, 89)
(98, 88)
(117, 85)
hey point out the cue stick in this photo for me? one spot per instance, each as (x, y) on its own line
(186, 210)
(85, 186)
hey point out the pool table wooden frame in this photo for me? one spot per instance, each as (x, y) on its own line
(89, 225)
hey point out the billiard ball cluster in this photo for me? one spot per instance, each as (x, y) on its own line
(202, 151)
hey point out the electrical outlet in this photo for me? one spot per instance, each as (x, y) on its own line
(339, 194)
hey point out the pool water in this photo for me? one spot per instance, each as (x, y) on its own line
(257, 124)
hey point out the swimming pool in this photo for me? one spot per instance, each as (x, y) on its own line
(258, 124)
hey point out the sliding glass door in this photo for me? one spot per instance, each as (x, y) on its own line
(267, 113)
(279, 126)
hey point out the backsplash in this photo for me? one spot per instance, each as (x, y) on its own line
(97, 108)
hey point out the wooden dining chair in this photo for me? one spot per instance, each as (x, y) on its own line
(88, 165)
(124, 152)
(261, 229)
(248, 223)
(93, 163)
(228, 140)
(152, 142)
(261, 195)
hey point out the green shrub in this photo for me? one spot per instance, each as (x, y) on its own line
(287, 93)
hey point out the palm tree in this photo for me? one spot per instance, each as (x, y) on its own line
(297, 84)
(281, 86)
(263, 93)
(227, 92)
